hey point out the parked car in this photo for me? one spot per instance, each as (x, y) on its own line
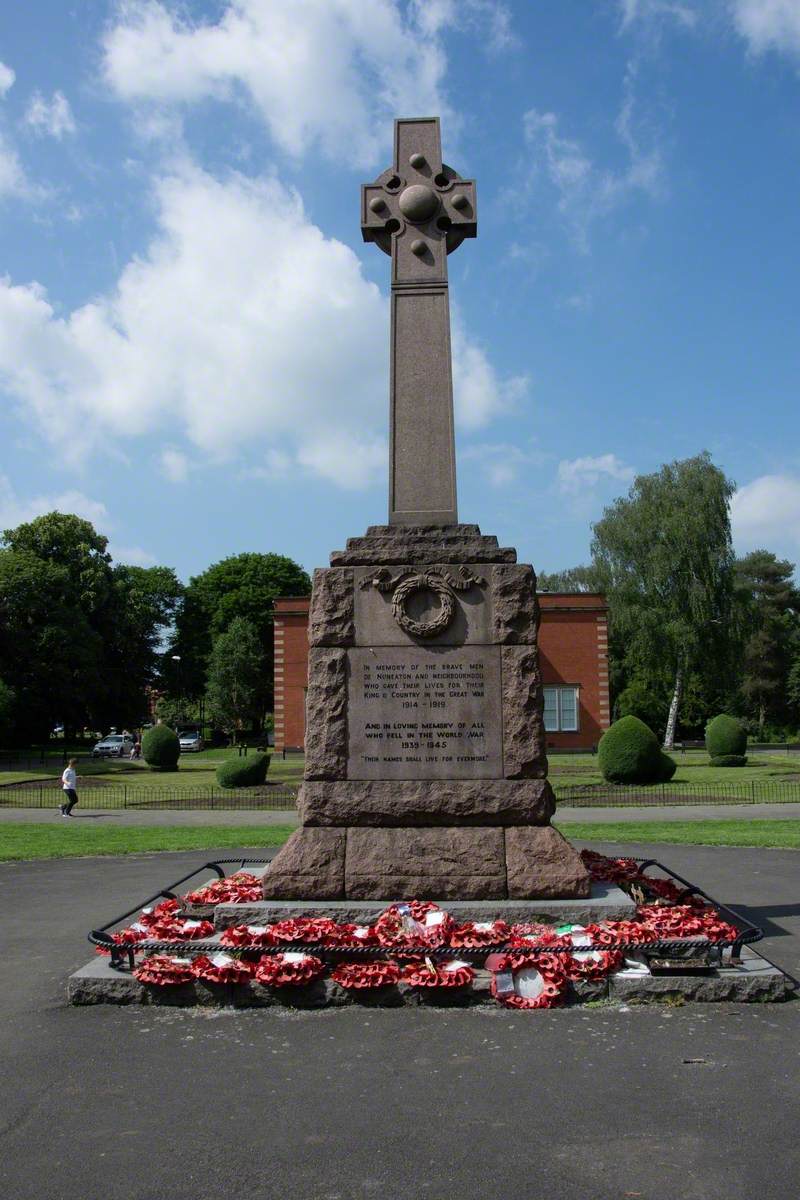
(190, 740)
(113, 745)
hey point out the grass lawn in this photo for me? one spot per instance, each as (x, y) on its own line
(571, 770)
(784, 835)
(19, 841)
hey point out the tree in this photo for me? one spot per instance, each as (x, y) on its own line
(666, 553)
(79, 637)
(141, 607)
(246, 586)
(235, 675)
(574, 579)
(769, 605)
(7, 699)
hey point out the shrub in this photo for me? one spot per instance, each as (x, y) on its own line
(726, 741)
(160, 748)
(243, 772)
(629, 753)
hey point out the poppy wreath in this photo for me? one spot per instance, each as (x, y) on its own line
(236, 889)
(244, 936)
(524, 937)
(610, 870)
(348, 934)
(550, 970)
(161, 970)
(592, 964)
(365, 975)
(288, 970)
(162, 912)
(683, 921)
(306, 929)
(215, 970)
(172, 930)
(610, 932)
(134, 933)
(475, 935)
(413, 923)
(422, 973)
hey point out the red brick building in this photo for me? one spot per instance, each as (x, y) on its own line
(573, 652)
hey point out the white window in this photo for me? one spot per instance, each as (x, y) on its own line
(561, 709)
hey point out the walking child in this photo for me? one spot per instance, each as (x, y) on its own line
(69, 783)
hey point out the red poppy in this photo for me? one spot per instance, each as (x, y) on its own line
(366, 975)
(288, 970)
(163, 970)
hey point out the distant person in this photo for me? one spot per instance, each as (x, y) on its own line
(136, 750)
(69, 784)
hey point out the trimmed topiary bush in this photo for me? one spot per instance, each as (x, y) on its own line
(160, 748)
(726, 741)
(629, 753)
(243, 772)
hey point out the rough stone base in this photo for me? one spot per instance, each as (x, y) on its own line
(437, 802)
(426, 863)
(755, 980)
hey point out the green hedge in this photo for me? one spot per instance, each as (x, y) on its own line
(243, 772)
(629, 753)
(726, 741)
(160, 748)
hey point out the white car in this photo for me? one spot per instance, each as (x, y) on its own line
(191, 740)
(114, 745)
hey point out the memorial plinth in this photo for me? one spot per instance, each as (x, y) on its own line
(425, 773)
(425, 749)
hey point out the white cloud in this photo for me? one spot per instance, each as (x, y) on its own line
(585, 190)
(16, 511)
(580, 474)
(174, 465)
(132, 555)
(240, 323)
(501, 462)
(330, 72)
(650, 10)
(12, 176)
(53, 116)
(768, 25)
(766, 514)
(478, 393)
(7, 77)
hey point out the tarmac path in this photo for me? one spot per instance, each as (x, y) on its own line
(691, 1103)
(263, 816)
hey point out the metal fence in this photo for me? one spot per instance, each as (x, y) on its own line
(753, 791)
(117, 796)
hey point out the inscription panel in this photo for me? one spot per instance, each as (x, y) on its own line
(432, 713)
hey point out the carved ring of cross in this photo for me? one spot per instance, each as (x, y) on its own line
(419, 210)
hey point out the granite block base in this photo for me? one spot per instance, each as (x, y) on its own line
(454, 862)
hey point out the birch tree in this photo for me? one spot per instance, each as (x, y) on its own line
(665, 550)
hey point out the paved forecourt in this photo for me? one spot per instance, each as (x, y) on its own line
(140, 1103)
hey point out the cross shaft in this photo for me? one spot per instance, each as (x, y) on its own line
(419, 211)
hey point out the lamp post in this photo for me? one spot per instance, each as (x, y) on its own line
(176, 658)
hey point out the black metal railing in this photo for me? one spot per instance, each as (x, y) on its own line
(150, 799)
(656, 795)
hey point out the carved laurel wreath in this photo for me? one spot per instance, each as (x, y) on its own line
(444, 585)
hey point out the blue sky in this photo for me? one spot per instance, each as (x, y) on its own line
(193, 337)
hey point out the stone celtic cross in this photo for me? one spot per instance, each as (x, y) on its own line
(419, 211)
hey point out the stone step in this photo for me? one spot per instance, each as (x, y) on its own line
(606, 902)
(753, 980)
